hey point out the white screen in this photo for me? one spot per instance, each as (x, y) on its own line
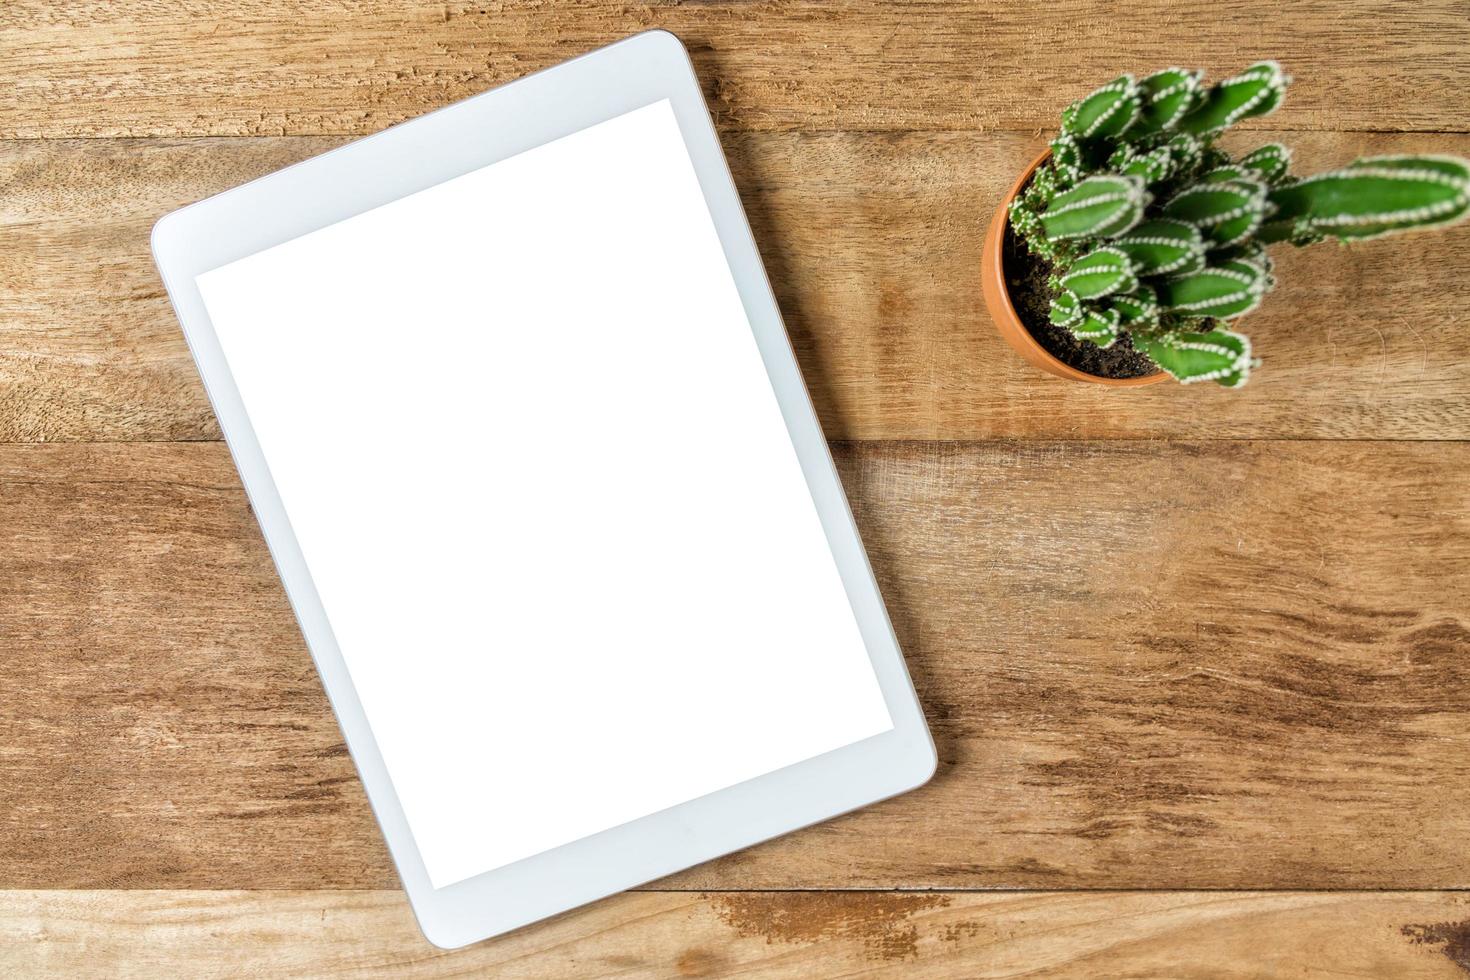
(528, 447)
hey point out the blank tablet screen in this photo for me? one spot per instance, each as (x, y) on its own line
(527, 445)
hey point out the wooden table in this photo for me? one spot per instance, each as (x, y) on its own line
(1197, 661)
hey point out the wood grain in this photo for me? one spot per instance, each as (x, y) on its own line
(1225, 664)
(762, 935)
(1198, 663)
(289, 67)
(873, 243)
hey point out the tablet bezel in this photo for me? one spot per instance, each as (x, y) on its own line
(466, 136)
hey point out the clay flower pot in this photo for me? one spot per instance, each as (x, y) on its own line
(998, 301)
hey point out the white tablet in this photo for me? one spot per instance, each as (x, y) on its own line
(510, 395)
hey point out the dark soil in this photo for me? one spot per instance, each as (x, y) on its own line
(1026, 276)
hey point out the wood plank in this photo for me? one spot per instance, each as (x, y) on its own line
(758, 935)
(1226, 664)
(266, 67)
(872, 241)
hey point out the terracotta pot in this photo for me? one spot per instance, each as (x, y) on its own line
(998, 300)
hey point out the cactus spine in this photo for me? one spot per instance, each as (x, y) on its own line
(1155, 232)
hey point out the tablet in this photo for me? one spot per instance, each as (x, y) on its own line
(512, 401)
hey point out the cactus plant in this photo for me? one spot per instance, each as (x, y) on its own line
(1155, 231)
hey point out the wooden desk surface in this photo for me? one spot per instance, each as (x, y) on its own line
(1208, 650)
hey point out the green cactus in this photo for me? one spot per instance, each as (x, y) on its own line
(1168, 96)
(1107, 112)
(1270, 162)
(1157, 233)
(1161, 246)
(1066, 309)
(1137, 309)
(1222, 291)
(1254, 92)
(1098, 207)
(1099, 327)
(1101, 272)
(1222, 356)
(1375, 196)
(1226, 210)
